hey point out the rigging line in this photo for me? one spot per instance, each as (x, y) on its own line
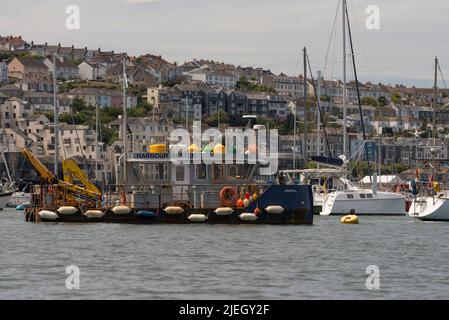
(358, 90)
(334, 57)
(318, 103)
(332, 36)
(441, 74)
(362, 44)
(79, 142)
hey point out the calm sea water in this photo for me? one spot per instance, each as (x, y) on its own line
(327, 260)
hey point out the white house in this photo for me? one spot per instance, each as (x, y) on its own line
(91, 70)
(212, 77)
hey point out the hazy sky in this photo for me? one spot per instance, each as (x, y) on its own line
(266, 33)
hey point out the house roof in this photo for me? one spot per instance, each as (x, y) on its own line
(31, 62)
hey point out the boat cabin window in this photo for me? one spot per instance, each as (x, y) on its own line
(350, 196)
(362, 196)
(217, 171)
(156, 171)
(369, 196)
(180, 171)
(201, 171)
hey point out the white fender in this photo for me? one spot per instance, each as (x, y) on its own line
(248, 216)
(174, 210)
(121, 210)
(224, 211)
(48, 215)
(94, 214)
(197, 217)
(67, 210)
(274, 209)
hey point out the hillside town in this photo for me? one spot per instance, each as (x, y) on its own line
(164, 95)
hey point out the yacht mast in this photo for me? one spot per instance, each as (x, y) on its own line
(56, 119)
(433, 149)
(318, 120)
(435, 93)
(125, 124)
(344, 79)
(305, 144)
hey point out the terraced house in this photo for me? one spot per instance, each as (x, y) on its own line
(22, 68)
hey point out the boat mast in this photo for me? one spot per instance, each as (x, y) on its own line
(56, 120)
(96, 141)
(435, 93)
(433, 150)
(344, 79)
(318, 118)
(125, 123)
(305, 153)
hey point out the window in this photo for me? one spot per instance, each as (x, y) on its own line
(362, 196)
(201, 171)
(350, 196)
(369, 196)
(218, 171)
(180, 173)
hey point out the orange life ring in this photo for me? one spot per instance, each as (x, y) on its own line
(228, 196)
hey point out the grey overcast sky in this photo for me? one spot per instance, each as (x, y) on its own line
(265, 33)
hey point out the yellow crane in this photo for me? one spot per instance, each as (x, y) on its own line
(89, 194)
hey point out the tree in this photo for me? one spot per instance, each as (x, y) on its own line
(396, 98)
(382, 101)
(212, 120)
(245, 85)
(368, 101)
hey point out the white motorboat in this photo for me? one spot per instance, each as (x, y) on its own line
(364, 202)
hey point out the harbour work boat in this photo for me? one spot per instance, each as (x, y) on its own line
(159, 191)
(158, 184)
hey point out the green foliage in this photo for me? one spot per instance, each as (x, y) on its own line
(369, 101)
(325, 98)
(49, 115)
(396, 98)
(382, 101)
(245, 85)
(360, 169)
(212, 120)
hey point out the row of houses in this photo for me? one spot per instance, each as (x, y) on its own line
(197, 101)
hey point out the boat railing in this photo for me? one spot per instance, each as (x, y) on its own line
(140, 196)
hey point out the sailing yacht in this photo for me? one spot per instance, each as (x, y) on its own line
(7, 185)
(434, 207)
(352, 198)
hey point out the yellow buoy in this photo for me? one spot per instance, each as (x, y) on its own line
(193, 148)
(219, 148)
(350, 219)
(158, 148)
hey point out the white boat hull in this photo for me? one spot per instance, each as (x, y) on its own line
(430, 209)
(380, 203)
(18, 198)
(4, 199)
